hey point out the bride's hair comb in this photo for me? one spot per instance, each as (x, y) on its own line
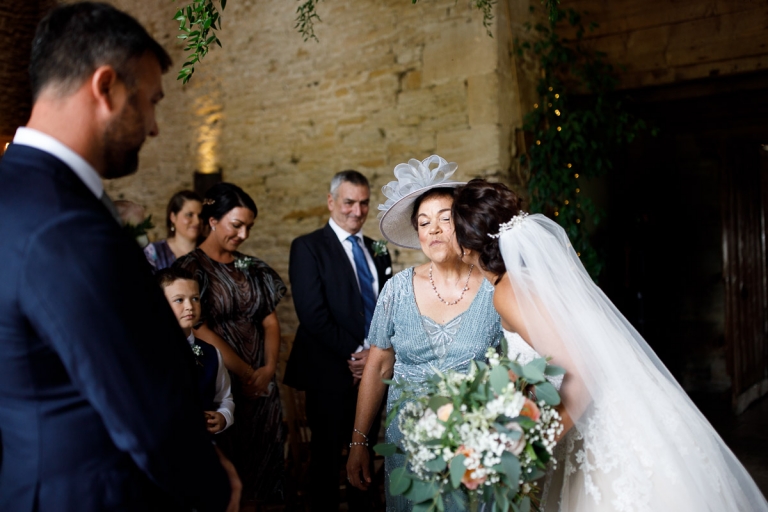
(513, 222)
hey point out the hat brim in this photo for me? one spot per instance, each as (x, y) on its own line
(395, 224)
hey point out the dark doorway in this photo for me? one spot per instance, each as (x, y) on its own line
(685, 236)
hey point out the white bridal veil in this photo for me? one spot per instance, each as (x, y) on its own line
(639, 443)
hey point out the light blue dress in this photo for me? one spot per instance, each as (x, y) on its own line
(422, 345)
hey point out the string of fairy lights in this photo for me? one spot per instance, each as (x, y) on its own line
(558, 113)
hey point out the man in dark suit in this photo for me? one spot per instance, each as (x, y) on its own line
(97, 404)
(335, 279)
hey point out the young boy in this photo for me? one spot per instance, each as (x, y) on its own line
(214, 385)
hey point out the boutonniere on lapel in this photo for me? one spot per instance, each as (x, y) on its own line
(198, 351)
(244, 263)
(139, 231)
(380, 248)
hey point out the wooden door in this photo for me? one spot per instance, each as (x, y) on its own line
(744, 201)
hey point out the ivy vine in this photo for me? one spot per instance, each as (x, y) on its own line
(577, 127)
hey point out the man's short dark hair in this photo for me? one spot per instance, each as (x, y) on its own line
(348, 176)
(72, 41)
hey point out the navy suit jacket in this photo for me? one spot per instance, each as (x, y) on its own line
(98, 407)
(330, 309)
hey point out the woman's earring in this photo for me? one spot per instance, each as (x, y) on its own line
(213, 228)
(173, 228)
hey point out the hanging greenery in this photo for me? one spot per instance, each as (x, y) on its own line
(196, 21)
(199, 21)
(577, 126)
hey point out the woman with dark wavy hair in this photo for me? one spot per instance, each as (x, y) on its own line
(636, 442)
(239, 295)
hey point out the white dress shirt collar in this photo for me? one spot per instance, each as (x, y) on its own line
(85, 171)
(342, 233)
(191, 338)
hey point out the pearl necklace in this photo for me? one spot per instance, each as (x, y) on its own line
(466, 287)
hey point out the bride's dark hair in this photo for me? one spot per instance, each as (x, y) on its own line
(478, 209)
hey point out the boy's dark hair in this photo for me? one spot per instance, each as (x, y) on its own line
(73, 40)
(170, 275)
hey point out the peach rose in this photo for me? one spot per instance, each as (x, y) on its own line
(444, 412)
(468, 481)
(531, 410)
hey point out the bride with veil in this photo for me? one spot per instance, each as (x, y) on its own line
(636, 441)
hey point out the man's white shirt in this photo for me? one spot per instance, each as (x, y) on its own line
(85, 171)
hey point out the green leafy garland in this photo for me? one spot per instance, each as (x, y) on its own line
(574, 139)
(201, 17)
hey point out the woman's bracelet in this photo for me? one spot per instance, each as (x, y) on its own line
(354, 443)
(357, 431)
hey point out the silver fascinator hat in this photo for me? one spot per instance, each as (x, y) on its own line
(413, 179)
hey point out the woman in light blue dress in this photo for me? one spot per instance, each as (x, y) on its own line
(434, 317)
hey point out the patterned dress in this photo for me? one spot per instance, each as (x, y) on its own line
(159, 255)
(235, 301)
(422, 346)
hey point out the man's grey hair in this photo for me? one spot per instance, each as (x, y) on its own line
(349, 176)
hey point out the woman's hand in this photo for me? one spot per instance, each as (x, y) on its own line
(255, 383)
(358, 467)
(261, 379)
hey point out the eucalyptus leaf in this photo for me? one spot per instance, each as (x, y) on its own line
(499, 379)
(525, 505)
(436, 465)
(399, 481)
(385, 449)
(532, 374)
(457, 470)
(512, 469)
(547, 392)
(423, 507)
(437, 402)
(554, 370)
(421, 491)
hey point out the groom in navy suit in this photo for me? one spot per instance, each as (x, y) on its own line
(336, 276)
(97, 403)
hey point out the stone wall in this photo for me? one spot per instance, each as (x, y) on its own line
(662, 42)
(386, 82)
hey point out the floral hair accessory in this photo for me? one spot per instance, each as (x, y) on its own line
(506, 226)
(413, 179)
(208, 201)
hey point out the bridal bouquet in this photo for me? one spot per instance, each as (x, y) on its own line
(489, 433)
